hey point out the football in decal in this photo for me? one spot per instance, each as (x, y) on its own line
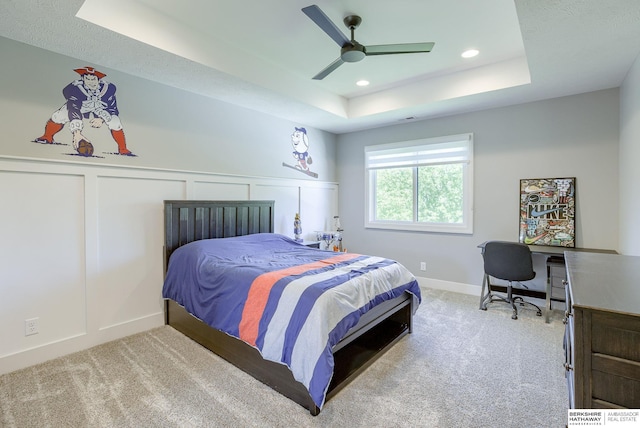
(85, 148)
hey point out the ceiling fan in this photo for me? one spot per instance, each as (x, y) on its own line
(351, 50)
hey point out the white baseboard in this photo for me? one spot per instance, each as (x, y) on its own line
(456, 287)
(473, 290)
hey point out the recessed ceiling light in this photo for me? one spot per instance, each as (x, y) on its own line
(362, 82)
(470, 53)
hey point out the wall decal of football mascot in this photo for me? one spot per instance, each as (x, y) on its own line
(89, 97)
(300, 143)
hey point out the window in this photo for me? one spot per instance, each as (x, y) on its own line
(424, 185)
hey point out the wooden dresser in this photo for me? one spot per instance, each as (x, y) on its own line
(602, 337)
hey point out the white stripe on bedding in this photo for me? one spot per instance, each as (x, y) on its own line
(325, 315)
(275, 334)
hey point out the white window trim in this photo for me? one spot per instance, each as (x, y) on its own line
(466, 227)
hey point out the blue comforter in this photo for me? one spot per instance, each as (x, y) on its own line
(292, 303)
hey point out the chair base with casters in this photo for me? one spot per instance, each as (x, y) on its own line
(491, 297)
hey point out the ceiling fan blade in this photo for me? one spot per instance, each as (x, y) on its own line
(328, 69)
(323, 21)
(400, 48)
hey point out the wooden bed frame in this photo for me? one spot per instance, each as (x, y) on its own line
(378, 330)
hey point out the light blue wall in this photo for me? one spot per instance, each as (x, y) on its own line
(574, 136)
(629, 157)
(82, 238)
(167, 128)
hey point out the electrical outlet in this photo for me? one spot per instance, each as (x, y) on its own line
(31, 326)
(423, 265)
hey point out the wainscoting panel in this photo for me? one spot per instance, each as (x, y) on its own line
(41, 258)
(318, 205)
(82, 246)
(286, 205)
(131, 236)
(219, 191)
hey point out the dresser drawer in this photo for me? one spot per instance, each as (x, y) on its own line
(557, 276)
(617, 335)
(608, 386)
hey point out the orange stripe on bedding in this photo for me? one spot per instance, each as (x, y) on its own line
(261, 287)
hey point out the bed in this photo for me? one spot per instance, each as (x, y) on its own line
(204, 239)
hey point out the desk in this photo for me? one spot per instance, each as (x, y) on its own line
(556, 254)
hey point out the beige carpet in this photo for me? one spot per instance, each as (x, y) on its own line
(461, 367)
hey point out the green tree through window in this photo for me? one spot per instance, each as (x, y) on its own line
(440, 193)
(394, 194)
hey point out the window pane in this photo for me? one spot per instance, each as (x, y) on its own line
(423, 185)
(394, 194)
(440, 193)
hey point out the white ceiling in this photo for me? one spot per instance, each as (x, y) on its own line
(262, 54)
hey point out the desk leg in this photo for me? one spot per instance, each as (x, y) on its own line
(483, 297)
(547, 312)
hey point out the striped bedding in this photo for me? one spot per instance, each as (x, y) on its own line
(292, 303)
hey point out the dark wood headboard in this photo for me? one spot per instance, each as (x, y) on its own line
(187, 221)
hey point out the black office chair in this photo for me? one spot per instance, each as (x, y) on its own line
(509, 261)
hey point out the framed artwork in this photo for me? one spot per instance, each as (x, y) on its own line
(547, 211)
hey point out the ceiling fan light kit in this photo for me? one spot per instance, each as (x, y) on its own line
(350, 49)
(353, 53)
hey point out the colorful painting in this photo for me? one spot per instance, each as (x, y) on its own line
(547, 211)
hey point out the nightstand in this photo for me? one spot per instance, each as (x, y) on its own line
(311, 244)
